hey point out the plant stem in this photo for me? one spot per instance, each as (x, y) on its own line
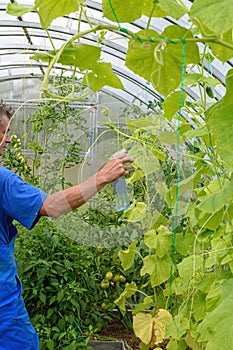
(122, 31)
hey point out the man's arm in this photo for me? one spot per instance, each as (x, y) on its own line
(71, 198)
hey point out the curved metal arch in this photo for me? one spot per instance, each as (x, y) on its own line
(113, 92)
(110, 48)
(113, 50)
(126, 75)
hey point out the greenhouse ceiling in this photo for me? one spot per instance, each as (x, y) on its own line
(21, 36)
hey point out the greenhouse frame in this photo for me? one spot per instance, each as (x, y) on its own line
(152, 79)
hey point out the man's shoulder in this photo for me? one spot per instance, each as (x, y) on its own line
(3, 169)
(4, 172)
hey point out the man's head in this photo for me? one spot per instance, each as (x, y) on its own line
(6, 113)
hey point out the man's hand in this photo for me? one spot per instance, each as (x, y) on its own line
(114, 168)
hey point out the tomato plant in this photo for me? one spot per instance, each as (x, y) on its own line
(62, 285)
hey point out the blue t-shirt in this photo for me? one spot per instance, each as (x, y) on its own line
(19, 201)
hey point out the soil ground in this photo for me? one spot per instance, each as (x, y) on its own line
(118, 331)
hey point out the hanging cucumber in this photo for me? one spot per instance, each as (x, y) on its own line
(209, 91)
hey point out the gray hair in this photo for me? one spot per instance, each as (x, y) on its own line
(5, 109)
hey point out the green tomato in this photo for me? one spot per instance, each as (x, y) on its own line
(122, 278)
(99, 250)
(104, 284)
(105, 306)
(105, 112)
(117, 278)
(209, 92)
(108, 276)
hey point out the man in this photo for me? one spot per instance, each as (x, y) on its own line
(25, 203)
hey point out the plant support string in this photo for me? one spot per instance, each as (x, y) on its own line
(178, 173)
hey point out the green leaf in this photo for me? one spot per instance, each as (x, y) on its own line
(194, 133)
(144, 346)
(122, 11)
(43, 56)
(199, 307)
(50, 344)
(60, 295)
(185, 188)
(211, 220)
(51, 310)
(192, 344)
(143, 327)
(147, 303)
(102, 75)
(80, 55)
(221, 114)
(168, 137)
(130, 289)
(219, 118)
(127, 256)
(227, 99)
(161, 188)
(216, 15)
(151, 330)
(152, 9)
(193, 79)
(162, 65)
(184, 243)
(159, 240)
(18, 10)
(148, 163)
(137, 150)
(217, 201)
(155, 219)
(49, 10)
(205, 284)
(167, 77)
(177, 327)
(74, 302)
(213, 298)
(177, 345)
(139, 52)
(190, 266)
(42, 297)
(221, 52)
(172, 8)
(147, 124)
(172, 104)
(138, 212)
(157, 268)
(137, 175)
(217, 327)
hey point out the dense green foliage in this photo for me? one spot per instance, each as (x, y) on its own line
(63, 285)
(188, 262)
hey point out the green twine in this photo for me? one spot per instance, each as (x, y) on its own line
(178, 172)
(114, 14)
(169, 40)
(124, 30)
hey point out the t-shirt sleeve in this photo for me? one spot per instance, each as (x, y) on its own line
(22, 201)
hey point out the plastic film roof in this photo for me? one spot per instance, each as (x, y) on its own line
(22, 36)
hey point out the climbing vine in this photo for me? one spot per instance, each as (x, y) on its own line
(197, 207)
